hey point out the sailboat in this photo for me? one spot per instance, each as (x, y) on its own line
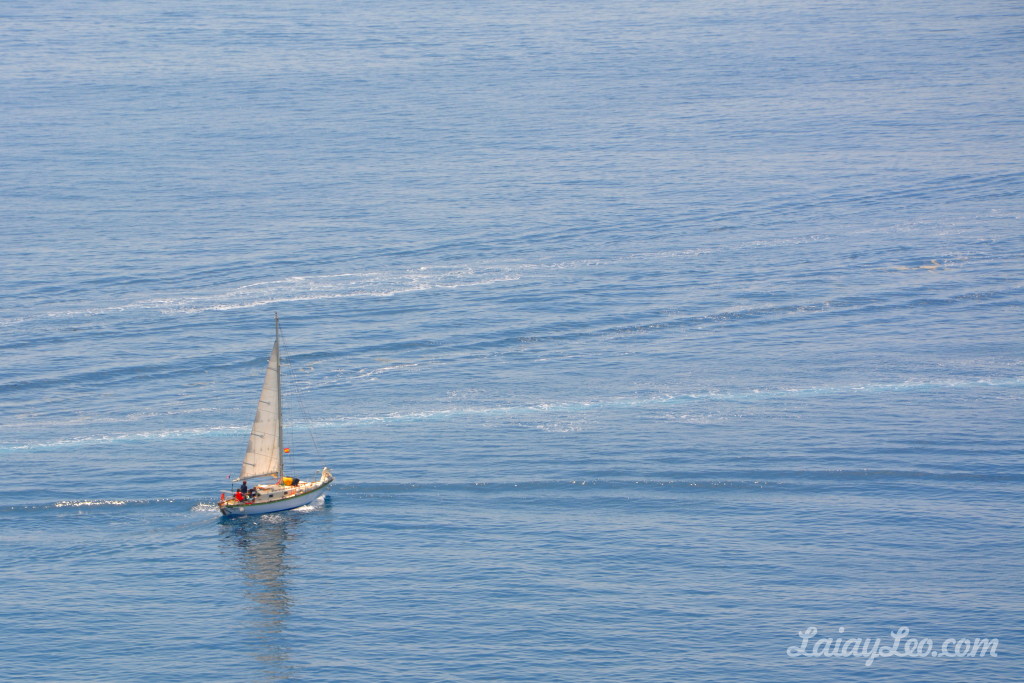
(264, 456)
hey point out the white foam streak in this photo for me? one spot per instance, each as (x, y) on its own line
(87, 503)
(553, 407)
(99, 439)
(302, 288)
(559, 407)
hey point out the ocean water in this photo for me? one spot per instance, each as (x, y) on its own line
(640, 336)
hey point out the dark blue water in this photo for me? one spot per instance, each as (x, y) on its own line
(640, 337)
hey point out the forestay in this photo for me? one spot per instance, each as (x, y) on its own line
(263, 455)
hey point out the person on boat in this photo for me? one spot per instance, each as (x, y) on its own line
(244, 488)
(238, 495)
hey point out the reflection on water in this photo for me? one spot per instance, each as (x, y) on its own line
(260, 545)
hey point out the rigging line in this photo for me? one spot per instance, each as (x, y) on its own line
(297, 396)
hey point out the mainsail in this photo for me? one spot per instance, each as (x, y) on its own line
(263, 455)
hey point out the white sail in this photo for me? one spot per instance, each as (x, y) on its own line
(263, 455)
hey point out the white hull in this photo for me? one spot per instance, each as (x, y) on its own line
(278, 498)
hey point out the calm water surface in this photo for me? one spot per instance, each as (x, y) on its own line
(640, 337)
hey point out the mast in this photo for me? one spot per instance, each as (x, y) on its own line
(280, 413)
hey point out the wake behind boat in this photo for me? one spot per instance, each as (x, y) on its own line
(264, 457)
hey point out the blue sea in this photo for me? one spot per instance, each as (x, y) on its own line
(648, 341)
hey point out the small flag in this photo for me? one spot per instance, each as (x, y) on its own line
(287, 450)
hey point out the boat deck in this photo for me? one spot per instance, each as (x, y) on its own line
(269, 493)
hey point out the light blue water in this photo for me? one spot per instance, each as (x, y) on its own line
(640, 336)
